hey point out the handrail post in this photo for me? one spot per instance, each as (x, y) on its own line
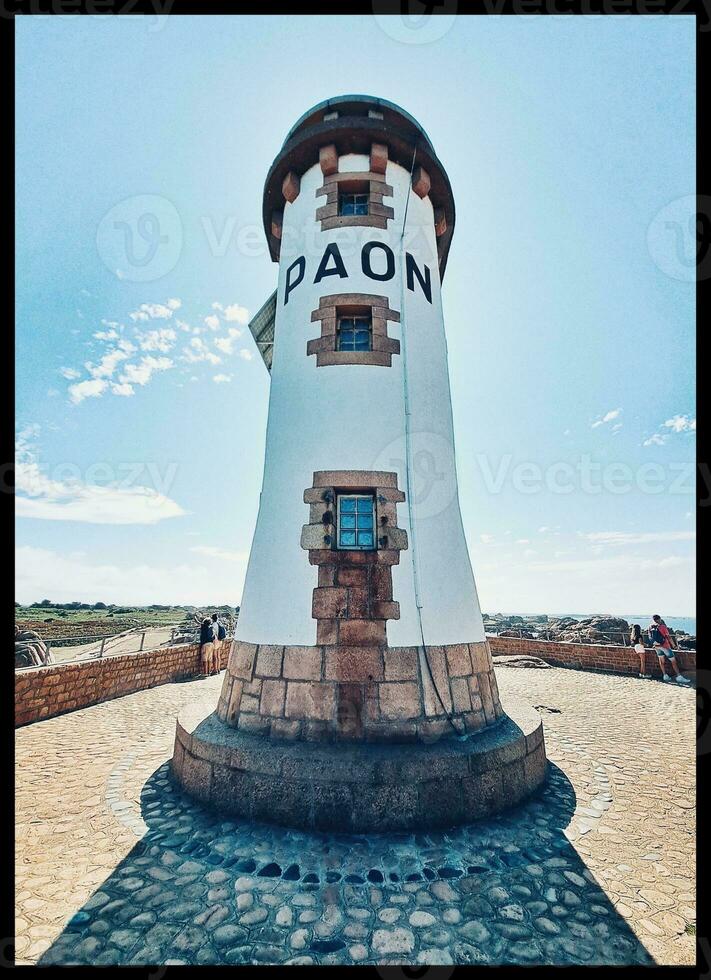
(101, 649)
(143, 639)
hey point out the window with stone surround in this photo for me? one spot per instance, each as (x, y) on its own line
(354, 595)
(354, 330)
(354, 199)
(355, 522)
(354, 333)
(353, 203)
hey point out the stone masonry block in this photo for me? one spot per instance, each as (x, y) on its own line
(326, 632)
(401, 664)
(460, 694)
(328, 159)
(354, 664)
(291, 185)
(378, 158)
(399, 700)
(302, 663)
(241, 662)
(352, 576)
(269, 660)
(272, 699)
(381, 583)
(361, 632)
(421, 182)
(329, 603)
(479, 652)
(310, 700)
(386, 610)
(458, 660)
(486, 698)
(397, 538)
(358, 603)
(354, 478)
(313, 536)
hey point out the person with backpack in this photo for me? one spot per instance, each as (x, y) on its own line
(637, 643)
(661, 640)
(220, 635)
(207, 646)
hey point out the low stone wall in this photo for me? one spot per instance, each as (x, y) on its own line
(618, 660)
(42, 692)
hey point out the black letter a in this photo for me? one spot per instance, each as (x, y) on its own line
(338, 269)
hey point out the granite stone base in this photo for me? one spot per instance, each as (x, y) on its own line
(360, 786)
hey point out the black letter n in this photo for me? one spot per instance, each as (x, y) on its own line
(411, 271)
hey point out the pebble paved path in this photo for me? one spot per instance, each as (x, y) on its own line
(115, 866)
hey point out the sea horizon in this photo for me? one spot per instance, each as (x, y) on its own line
(685, 623)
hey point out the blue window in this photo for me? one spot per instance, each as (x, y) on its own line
(354, 333)
(353, 204)
(356, 522)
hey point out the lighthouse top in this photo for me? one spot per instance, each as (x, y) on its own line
(352, 123)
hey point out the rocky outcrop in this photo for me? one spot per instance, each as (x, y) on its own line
(30, 649)
(597, 630)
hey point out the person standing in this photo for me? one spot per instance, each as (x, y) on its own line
(207, 646)
(220, 634)
(638, 645)
(661, 640)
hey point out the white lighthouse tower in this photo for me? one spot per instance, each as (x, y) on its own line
(360, 639)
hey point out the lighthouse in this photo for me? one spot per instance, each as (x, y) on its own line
(359, 692)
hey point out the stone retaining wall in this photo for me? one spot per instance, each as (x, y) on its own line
(616, 659)
(357, 786)
(42, 692)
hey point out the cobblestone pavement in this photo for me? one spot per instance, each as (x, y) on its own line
(115, 866)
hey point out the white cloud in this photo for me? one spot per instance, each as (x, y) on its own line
(125, 390)
(42, 573)
(211, 551)
(162, 339)
(237, 314)
(486, 538)
(106, 334)
(70, 373)
(681, 423)
(245, 354)
(142, 372)
(607, 417)
(40, 497)
(523, 541)
(234, 312)
(87, 389)
(174, 304)
(197, 350)
(154, 311)
(636, 537)
(212, 321)
(221, 379)
(543, 529)
(677, 423)
(110, 361)
(655, 440)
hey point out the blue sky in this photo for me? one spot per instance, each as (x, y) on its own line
(568, 299)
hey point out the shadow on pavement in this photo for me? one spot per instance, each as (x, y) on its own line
(198, 888)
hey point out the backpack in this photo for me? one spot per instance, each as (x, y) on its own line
(656, 635)
(221, 631)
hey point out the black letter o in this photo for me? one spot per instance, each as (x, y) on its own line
(365, 261)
